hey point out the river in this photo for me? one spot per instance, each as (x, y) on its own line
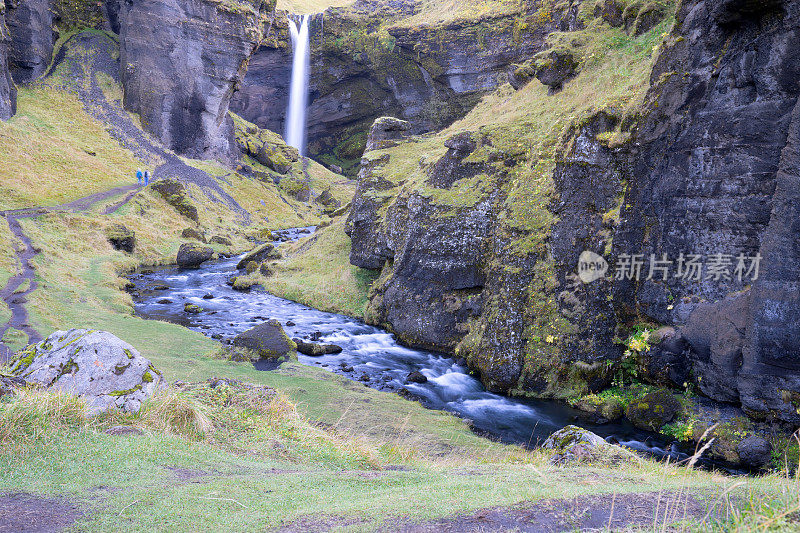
(370, 355)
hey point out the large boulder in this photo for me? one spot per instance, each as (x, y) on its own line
(179, 75)
(191, 255)
(259, 254)
(574, 444)
(555, 67)
(268, 340)
(653, 410)
(108, 372)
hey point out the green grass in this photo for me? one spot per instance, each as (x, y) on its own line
(317, 273)
(311, 6)
(45, 152)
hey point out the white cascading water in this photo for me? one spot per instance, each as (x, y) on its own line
(298, 95)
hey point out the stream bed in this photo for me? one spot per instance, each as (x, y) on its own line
(370, 355)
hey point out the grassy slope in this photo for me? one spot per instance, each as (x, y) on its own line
(311, 6)
(317, 272)
(44, 152)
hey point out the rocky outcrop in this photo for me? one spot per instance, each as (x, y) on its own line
(191, 255)
(716, 176)
(96, 365)
(477, 261)
(366, 66)
(180, 73)
(8, 91)
(30, 23)
(268, 341)
(121, 238)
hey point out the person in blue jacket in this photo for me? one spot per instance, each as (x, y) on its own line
(139, 175)
(146, 178)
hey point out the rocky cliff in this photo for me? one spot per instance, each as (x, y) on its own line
(715, 175)
(479, 231)
(180, 64)
(30, 23)
(375, 59)
(8, 92)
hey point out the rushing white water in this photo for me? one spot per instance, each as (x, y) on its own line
(298, 95)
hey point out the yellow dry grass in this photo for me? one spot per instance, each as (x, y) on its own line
(311, 6)
(52, 152)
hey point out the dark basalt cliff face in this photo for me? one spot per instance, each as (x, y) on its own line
(365, 66)
(30, 23)
(716, 172)
(710, 165)
(8, 92)
(180, 64)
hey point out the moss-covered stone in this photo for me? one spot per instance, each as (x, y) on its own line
(653, 410)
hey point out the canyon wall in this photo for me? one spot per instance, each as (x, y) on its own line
(180, 64)
(30, 23)
(480, 261)
(368, 61)
(8, 92)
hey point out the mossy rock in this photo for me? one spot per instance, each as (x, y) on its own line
(194, 234)
(268, 340)
(175, 194)
(243, 284)
(602, 409)
(653, 410)
(261, 253)
(121, 238)
(192, 309)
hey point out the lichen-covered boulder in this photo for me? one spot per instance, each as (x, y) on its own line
(192, 255)
(653, 410)
(268, 340)
(105, 370)
(259, 254)
(574, 444)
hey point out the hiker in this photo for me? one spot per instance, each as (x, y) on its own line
(139, 175)
(146, 178)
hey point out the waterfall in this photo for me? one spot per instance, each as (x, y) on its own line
(298, 96)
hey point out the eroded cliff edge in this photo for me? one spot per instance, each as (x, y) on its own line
(478, 230)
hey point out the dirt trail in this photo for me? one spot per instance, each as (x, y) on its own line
(88, 55)
(10, 294)
(95, 55)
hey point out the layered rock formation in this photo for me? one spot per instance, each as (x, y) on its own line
(480, 244)
(365, 66)
(180, 64)
(8, 92)
(30, 23)
(716, 173)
